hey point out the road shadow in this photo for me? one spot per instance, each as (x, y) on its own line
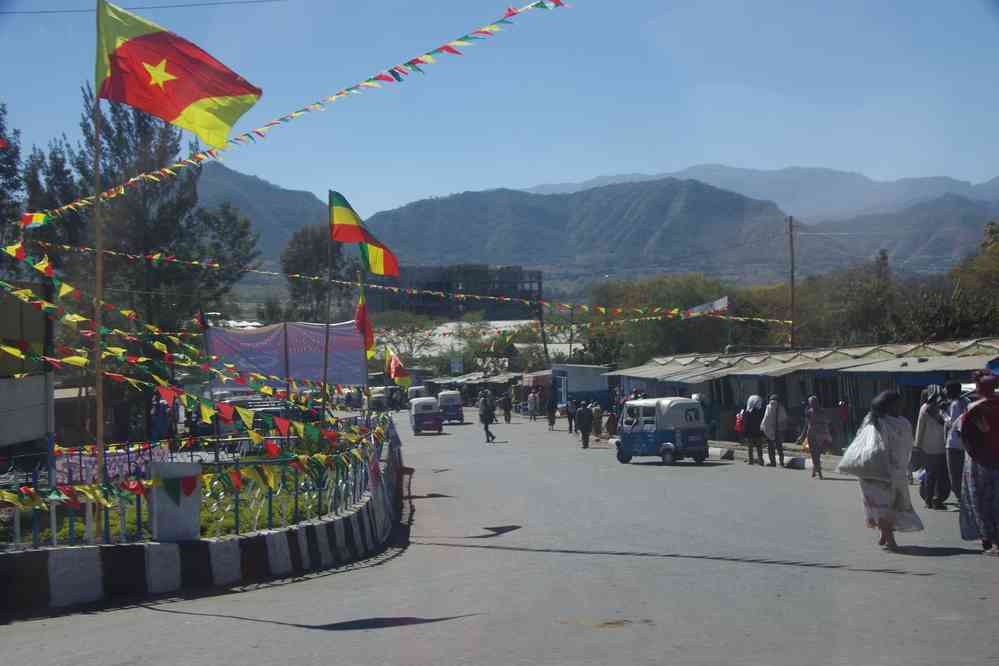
(935, 551)
(428, 496)
(359, 624)
(682, 463)
(683, 556)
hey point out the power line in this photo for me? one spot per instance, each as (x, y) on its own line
(214, 3)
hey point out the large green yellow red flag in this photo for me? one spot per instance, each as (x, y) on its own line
(345, 223)
(154, 70)
(396, 370)
(346, 227)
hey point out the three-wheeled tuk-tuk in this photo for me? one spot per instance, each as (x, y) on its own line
(671, 428)
(450, 404)
(424, 415)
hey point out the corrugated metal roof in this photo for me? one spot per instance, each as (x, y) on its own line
(924, 364)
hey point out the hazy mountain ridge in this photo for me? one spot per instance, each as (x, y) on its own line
(810, 193)
(626, 229)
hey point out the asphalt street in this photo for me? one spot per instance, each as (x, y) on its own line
(533, 551)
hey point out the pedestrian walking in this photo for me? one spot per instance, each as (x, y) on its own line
(752, 419)
(817, 434)
(598, 419)
(532, 404)
(570, 415)
(506, 404)
(584, 423)
(551, 412)
(774, 424)
(980, 489)
(955, 448)
(931, 440)
(486, 415)
(611, 423)
(887, 505)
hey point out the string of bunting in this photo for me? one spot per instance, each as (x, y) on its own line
(390, 75)
(647, 312)
(26, 498)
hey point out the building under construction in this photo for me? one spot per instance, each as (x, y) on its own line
(480, 279)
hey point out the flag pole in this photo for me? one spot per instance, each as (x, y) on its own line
(99, 306)
(326, 342)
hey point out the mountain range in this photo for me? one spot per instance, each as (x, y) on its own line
(811, 194)
(651, 225)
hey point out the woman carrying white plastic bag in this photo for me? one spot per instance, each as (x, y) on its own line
(879, 456)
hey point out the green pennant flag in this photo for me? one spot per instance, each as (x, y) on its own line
(312, 434)
(172, 488)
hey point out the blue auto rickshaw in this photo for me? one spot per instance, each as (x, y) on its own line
(670, 428)
(450, 404)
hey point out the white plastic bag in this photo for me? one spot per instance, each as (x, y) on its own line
(867, 456)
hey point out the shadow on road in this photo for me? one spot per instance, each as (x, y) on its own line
(682, 463)
(347, 625)
(682, 556)
(428, 496)
(935, 551)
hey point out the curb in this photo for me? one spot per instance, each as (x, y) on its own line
(45, 579)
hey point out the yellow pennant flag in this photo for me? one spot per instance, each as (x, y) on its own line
(321, 457)
(255, 437)
(299, 428)
(160, 346)
(78, 361)
(206, 413)
(13, 351)
(247, 417)
(357, 454)
(159, 380)
(65, 290)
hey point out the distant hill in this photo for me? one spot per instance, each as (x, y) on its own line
(274, 211)
(812, 194)
(663, 225)
(629, 229)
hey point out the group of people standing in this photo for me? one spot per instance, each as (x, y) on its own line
(888, 436)
(767, 423)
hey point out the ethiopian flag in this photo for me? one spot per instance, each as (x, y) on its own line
(346, 227)
(364, 325)
(142, 65)
(378, 259)
(345, 224)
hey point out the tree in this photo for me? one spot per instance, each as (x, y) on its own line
(306, 254)
(161, 217)
(271, 311)
(411, 335)
(11, 185)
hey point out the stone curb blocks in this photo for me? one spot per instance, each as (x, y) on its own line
(60, 577)
(49, 578)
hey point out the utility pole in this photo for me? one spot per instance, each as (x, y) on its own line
(541, 321)
(790, 242)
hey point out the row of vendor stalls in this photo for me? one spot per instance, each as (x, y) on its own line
(851, 375)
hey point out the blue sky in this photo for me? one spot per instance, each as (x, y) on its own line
(890, 89)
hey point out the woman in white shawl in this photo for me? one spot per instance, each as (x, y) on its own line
(886, 500)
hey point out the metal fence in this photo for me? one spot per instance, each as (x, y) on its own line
(242, 490)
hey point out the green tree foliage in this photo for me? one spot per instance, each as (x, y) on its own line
(271, 311)
(409, 334)
(11, 185)
(307, 253)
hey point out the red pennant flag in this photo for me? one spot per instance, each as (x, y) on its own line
(449, 49)
(167, 394)
(134, 486)
(511, 11)
(281, 424)
(225, 411)
(188, 484)
(72, 500)
(272, 450)
(330, 436)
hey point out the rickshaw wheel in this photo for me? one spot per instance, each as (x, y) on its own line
(668, 457)
(699, 460)
(623, 457)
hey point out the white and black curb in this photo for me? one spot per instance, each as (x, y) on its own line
(32, 581)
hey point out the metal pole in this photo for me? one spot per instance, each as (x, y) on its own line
(790, 241)
(98, 296)
(326, 342)
(287, 384)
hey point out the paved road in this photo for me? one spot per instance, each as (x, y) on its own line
(587, 562)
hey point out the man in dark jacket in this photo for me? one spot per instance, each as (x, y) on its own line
(570, 414)
(487, 412)
(753, 424)
(584, 423)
